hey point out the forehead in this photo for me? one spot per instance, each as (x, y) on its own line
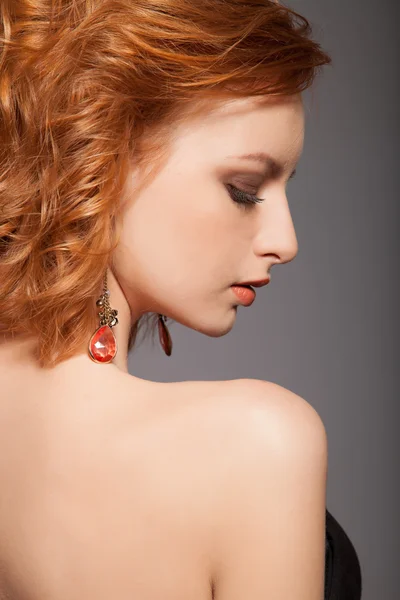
(248, 124)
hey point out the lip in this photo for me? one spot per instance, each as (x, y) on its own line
(256, 284)
(245, 294)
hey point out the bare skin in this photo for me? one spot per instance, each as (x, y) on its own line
(113, 487)
(105, 483)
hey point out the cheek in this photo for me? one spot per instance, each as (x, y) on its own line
(200, 239)
(184, 240)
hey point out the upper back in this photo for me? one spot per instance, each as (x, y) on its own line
(117, 487)
(107, 483)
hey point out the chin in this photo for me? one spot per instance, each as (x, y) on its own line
(213, 322)
(218, 326)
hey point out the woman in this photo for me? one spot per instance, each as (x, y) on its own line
(146, 148)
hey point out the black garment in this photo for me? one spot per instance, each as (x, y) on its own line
(342, 567)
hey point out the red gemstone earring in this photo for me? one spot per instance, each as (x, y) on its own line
(103, 345)
(164, 335)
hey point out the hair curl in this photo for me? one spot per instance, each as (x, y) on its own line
(86, 86)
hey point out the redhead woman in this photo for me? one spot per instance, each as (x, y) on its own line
(146, 146)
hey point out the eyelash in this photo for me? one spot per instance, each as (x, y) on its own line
(241, 197)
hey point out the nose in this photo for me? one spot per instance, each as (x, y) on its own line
(277, 234)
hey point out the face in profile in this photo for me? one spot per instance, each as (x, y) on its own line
(189, 235)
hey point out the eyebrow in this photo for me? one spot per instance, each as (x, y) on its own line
(269, 163)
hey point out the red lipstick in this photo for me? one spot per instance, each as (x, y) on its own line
(245, 294)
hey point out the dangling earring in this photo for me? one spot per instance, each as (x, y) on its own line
(103, 345)
(164, 335)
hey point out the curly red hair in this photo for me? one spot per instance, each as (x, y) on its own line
(86, 87)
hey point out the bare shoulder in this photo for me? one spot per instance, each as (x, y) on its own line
(275, 414)
(268, 415)
(270, 519)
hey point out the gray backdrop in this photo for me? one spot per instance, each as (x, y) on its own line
(325, 327)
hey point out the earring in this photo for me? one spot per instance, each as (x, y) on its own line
(103, 345)
(164, 335)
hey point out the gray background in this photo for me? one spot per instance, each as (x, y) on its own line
(325, 327)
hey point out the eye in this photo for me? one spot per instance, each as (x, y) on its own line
(242, 197)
